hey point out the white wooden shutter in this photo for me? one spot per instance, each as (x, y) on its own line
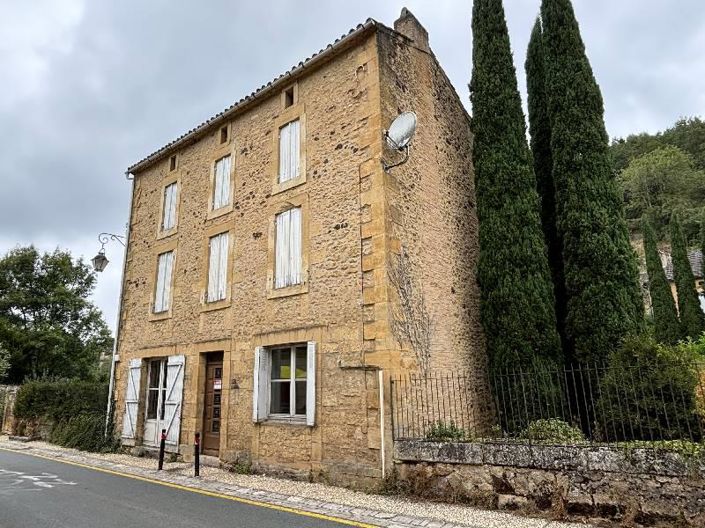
(170, 199)
(221, 184)
(311, 383)
(284, 153)
(223, 265)
(294, 147)
(162, 294)
(260, 385)
(174, 394)
(295, 247)
(281, 254)
(132, 398)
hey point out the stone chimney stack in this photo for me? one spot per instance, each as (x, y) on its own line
(410, 27)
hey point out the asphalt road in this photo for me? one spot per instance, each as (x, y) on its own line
(40, 493)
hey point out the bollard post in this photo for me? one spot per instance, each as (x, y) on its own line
(197, 455)
(162, 446)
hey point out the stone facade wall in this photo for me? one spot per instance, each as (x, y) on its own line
(643, 487)
(346, 302)
(432, 226)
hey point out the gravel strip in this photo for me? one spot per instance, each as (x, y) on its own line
(390, 510)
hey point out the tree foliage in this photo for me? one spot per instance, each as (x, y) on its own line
(691, 315)
(687, 134)
(603, 297)
(665, 317)
(46, 321)
(660, 183)
(4, 362)
(540, 130)
(649, 393)
(517, 302)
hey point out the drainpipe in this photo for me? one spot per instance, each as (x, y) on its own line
(380, 378)
(111, 386)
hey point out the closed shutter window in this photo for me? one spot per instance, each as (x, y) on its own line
(162, 295)
(288, 264)
(289, 151)
(217, 267)
(170, 198)
(221, 184)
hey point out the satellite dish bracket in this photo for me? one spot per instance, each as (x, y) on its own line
(387, 167)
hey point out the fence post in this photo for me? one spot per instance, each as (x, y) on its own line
(162, 446)
(197, 455)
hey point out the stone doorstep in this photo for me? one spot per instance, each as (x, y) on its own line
(351, 513)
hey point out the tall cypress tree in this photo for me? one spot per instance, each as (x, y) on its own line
(691, 315)
(666, 325)
(517, 303)
(604, 301)
(540, 130)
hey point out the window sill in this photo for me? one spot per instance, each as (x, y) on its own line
(166, 234)
(289, 184)
(215, 305)
(286, 420)
(288, 291)
(161, 316)
(219, 212)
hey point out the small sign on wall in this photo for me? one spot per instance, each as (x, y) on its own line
(217, 384)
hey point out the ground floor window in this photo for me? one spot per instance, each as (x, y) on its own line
(288, 381)
(285, 383)
(156, 390)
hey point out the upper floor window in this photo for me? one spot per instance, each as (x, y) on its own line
(217, 267)
(288, 249)
(169, 206)
(289, 151)
(162, 294)
(221, 183)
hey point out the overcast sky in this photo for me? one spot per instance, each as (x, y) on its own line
(89, 87)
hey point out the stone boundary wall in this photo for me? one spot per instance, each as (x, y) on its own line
(637, 487)
(7, 404)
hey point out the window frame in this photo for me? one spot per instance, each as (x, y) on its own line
(166, 246)
(299, 201)
(167, 284)
(292, 113)
(292, 380)
(220, 152)
(215, 230)
(227, 178)
(222, 261)
(160, 389)
(174, 178)
(278, 258)
(261, 387)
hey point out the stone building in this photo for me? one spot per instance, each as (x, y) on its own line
(276, 275)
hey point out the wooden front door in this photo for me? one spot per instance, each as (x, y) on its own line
(212, 405)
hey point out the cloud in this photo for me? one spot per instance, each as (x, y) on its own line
(91, 87)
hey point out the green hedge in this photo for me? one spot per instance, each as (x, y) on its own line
(60, 400)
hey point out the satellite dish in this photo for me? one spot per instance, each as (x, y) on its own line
(401, 131)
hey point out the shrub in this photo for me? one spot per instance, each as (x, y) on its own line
(525, 395)
(85, 432)
(60, 400)
(442, 432)
(649, 392)
(552, 430)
